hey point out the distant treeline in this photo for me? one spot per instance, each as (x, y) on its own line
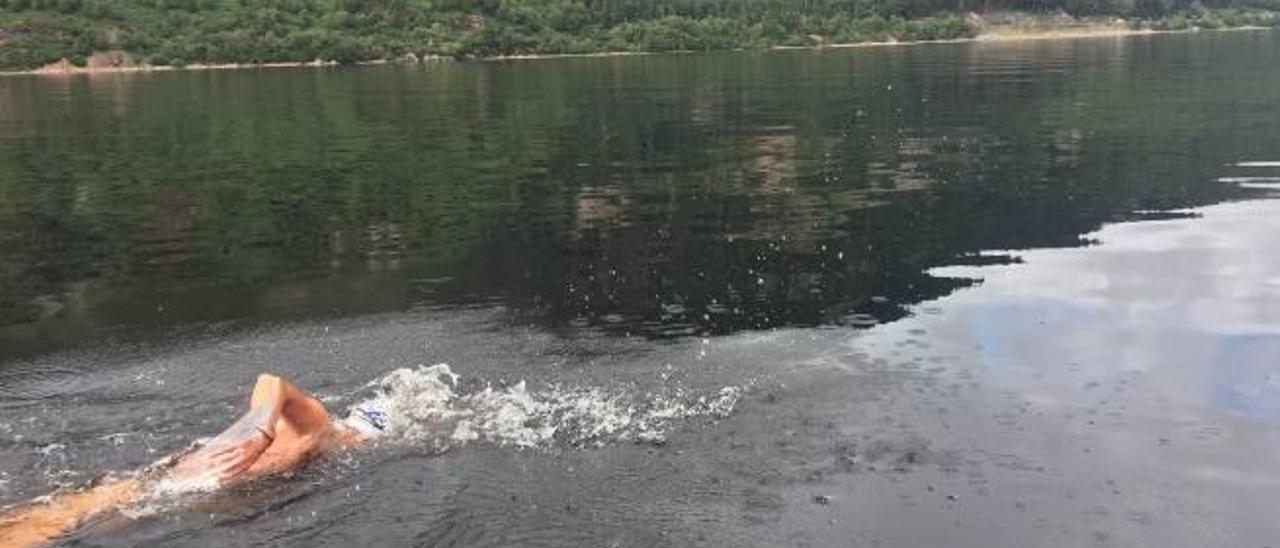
(177, 32)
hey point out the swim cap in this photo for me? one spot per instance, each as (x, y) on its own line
(369, 418)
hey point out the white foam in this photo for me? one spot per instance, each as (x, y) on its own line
(1253, 180)
(1257, 164)
(425, 405)
(202, 483)
(427, 408)
(53, 449)
(169, 493)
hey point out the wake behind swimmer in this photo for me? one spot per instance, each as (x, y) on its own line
(285, 426)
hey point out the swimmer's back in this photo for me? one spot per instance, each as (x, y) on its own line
(38, 522)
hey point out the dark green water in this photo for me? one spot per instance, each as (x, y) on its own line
(662, 195)
(969, 295)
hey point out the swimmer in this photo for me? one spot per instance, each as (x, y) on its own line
(284, 427)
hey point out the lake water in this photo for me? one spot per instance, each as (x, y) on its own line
(986, 294)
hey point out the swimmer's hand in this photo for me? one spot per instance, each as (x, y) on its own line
(231, 452)
(234, 458)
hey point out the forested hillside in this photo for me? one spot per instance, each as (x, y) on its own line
(177, 32)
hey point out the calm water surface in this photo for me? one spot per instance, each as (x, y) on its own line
(965, 295)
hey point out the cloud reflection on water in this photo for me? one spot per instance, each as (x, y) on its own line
(1195, 301)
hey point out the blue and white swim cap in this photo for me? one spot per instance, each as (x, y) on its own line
(369, 418)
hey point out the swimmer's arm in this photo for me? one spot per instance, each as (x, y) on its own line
(276, 408)
(302, 411)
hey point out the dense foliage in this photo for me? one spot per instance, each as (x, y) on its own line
(35, 32)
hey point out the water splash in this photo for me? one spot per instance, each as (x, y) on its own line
(427, 406)
(429, 410)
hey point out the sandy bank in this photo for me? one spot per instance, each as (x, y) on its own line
(119, 62)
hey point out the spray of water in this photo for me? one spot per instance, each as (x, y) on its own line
(428, 410)
(426, 406)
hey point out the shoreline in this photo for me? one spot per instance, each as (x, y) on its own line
(996, 34)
